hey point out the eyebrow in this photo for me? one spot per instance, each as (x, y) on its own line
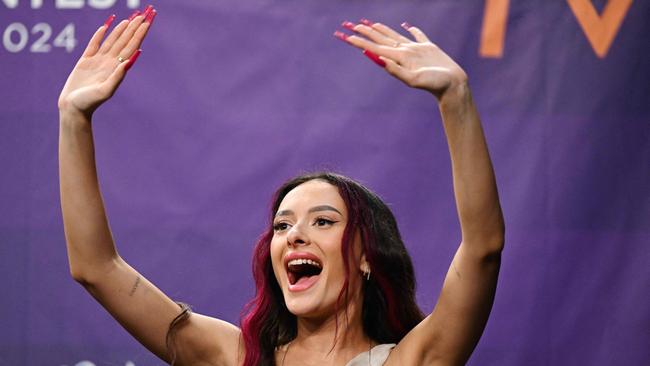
(313, 209)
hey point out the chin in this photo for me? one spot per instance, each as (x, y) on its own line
(303, 304)
(302, 309)
(310, 304)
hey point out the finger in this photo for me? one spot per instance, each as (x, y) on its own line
(396, 70)
(96, 39)
(109, 21)
(389, 32)
(136, 40)
(137, 37)
(133, 59)
(134, 14)
(374, 58)
(416, 32)
(109, 85)
(115, 34)
(118, 47)
(373, 47)
(370, 33)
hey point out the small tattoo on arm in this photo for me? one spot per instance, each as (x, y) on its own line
(135, 286)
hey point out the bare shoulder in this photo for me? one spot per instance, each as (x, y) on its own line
(450, 333)
(204, 340)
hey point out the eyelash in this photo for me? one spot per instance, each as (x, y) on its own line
(322, 219)
(280, 226)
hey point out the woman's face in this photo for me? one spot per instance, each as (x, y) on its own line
(306, 249)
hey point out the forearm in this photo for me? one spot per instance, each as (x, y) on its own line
(88, 238)
(475, 187)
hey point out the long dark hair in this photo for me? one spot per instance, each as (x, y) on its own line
(389, 308)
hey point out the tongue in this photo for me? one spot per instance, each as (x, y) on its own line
(303, 283)
(303, 280)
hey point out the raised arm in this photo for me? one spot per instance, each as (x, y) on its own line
(450, 333)
(94, 262)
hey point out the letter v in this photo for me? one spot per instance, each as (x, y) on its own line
(600, 30)
(493, 32)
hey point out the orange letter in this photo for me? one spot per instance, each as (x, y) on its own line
(600, 30)
(493, 32)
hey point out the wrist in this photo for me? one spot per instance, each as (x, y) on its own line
(72, 119)
(455, 95)
(70, 107)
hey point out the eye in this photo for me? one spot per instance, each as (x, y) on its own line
(322, 222)
(280, 226)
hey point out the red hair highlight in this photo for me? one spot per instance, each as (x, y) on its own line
(257, 309)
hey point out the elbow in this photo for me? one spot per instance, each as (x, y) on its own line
(484, 235)
(79, 276)
(89, 275)
(487, 244)
(495, 241)
(495, 246)
(495, 236)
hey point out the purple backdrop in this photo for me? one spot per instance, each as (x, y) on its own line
(230, 98)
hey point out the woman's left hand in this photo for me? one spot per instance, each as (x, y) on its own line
(418, 63)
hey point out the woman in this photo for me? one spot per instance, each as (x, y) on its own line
(334, 283)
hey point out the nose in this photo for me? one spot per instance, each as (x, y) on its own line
(296, 236)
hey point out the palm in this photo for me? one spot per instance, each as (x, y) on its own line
(89, 83)
(101, 68)
(420, 63)
(429, 67)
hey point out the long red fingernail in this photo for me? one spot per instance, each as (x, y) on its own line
(348, 25)
(109, 21)
(367, 22)
(374, 58)
(406, 25)
(147, 10)
(340, 35)
(135, 14)
(133, 59)
(151, 16)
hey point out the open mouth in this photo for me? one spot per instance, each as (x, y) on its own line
(302, 272)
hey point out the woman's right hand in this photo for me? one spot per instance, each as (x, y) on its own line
(103, 65)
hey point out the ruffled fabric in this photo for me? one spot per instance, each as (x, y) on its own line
(375, 357)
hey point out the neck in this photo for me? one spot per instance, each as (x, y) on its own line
(342, 331)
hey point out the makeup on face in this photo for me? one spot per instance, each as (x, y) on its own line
(306, 247)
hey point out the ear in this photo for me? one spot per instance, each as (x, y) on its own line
(364, 266)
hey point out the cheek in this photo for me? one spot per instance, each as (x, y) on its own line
(335, 261)
(353, 255)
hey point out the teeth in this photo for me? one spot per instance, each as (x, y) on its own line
(297, 262)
